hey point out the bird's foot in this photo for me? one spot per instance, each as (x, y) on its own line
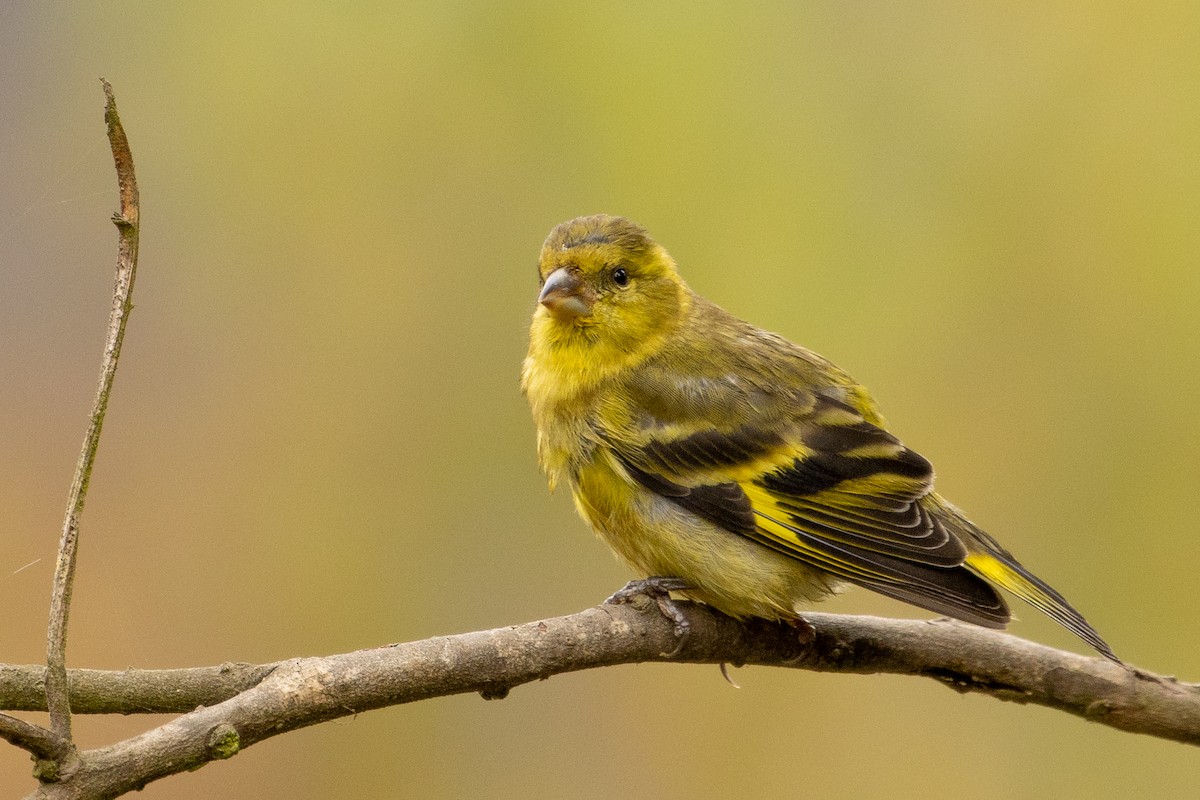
(805, 631)
(658, 588)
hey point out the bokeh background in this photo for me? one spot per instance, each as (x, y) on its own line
(986, 212)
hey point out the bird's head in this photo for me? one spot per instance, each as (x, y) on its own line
(604, 280)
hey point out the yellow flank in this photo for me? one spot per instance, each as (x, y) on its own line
(704, 449)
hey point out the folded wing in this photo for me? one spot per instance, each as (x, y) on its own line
(823, 485)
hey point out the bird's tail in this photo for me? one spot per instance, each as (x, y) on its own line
(999, 567)
(987, 559)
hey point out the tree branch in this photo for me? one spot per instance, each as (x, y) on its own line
(126, 221)
(40, 742)
(300, 692)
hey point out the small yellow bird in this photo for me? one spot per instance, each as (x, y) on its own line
(731, 465)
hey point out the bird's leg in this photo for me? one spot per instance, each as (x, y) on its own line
(659, 589)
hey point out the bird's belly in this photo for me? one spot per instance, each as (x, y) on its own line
(730, 572)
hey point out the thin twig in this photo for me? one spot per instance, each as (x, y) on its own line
(126, 220)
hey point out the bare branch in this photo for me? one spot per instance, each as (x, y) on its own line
(131, 691)
(37, 740)
(64, 573)
(300, 692)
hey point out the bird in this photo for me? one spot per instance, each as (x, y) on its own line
(730, 466)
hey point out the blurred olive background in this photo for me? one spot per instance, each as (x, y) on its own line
(317, 443)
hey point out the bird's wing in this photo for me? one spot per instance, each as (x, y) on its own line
(808, 475)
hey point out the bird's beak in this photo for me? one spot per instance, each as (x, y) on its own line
(565, 296)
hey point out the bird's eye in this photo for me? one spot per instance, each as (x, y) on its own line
(620, 276)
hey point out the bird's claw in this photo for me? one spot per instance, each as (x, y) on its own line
(659, 589)
(805, 631)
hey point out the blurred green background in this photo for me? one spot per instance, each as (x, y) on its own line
(988, 213)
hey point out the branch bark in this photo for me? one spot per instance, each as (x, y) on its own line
(41, 743)
(244, 705)
(126, 221)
